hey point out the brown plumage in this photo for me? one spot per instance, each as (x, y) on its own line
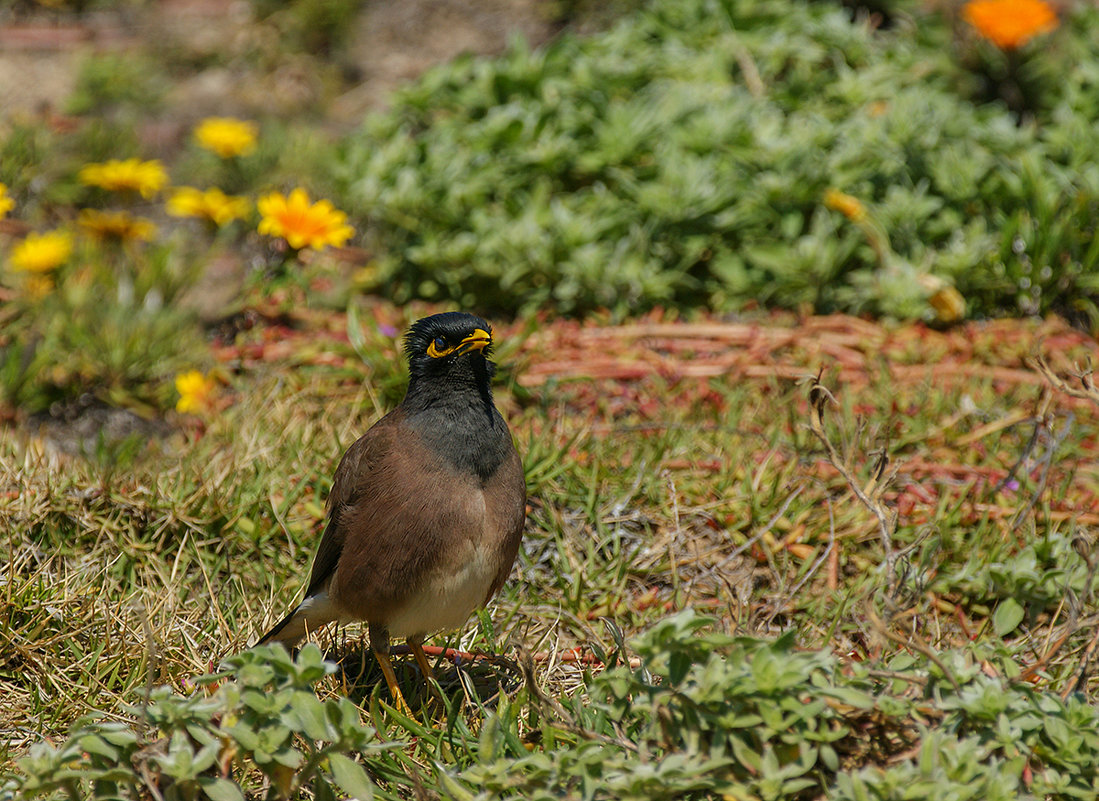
(427, 508)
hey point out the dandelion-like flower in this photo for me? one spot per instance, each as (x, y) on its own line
(6, 203)
(1010, 24)
(134, 175)
(196, 392)
(301, 223)
(226, 136)
(120, 226)
(847, 205)
(41, 253)
(213, 205)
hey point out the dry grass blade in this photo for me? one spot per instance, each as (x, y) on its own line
(1083, 375)
(869, 493)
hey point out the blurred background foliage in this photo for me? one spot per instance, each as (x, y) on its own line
(681, 158)
(890, 159)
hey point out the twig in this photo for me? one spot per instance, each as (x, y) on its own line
(1087, 389)
(758, 536)
(813, 569)
(1032, 670)
(748, 68)
(568, 656)
(870, 494)
(1047, 465)
(893, 675)
(1082, 671)
(1039, 421)
(820, 559)
(916, 643)
(544, 702)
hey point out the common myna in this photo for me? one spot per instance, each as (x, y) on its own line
(427, 508)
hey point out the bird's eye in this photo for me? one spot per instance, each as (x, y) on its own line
(438, 348)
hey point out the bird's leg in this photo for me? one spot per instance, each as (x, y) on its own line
(421, 658)
(417, 647)
(379, 643)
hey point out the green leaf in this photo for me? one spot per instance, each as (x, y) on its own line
(245, 736)
(452, 787)
(322, 789)
(1009, 614)
(221, 789)
(94, 744)
(310, 715)
(351, 777)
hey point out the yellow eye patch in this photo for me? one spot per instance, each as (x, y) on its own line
(478, 340)
(438, 348)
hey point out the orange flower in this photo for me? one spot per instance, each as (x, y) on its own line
(1009, 24)
(847, 205)
(301, 223)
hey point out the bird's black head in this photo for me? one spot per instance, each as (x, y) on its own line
(451, 344)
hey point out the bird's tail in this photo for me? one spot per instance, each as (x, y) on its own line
(312, 613)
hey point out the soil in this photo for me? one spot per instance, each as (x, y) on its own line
(41, 51)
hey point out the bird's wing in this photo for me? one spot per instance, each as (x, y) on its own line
(506, 503)
(347, 487)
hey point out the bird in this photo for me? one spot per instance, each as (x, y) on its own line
(427, 508)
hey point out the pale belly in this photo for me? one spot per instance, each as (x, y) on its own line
(447, 598)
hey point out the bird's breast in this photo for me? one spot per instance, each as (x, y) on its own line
(456, 586)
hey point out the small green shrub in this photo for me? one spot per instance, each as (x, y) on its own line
(320, 27)
(111, 328)
(262, 725)
(111, 81)
(703, 715)
(1031, 579)
(707, 714)
(682, 158)
(945, 768)
(40, 166)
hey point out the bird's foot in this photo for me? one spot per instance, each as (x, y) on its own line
(391, 681)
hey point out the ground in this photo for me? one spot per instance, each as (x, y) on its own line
(391, 43)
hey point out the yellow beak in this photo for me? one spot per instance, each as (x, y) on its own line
(478, 340)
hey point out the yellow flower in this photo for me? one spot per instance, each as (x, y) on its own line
(301, 223)
(40, 253)
(226, 136)
(948, 303)
(146, 177)
(213, 204)
(847, 205)
(196, 392)
(1009, 24)
(37, 287)
(117, 225)
(6, 203)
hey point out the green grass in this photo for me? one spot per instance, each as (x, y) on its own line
(647, 497)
